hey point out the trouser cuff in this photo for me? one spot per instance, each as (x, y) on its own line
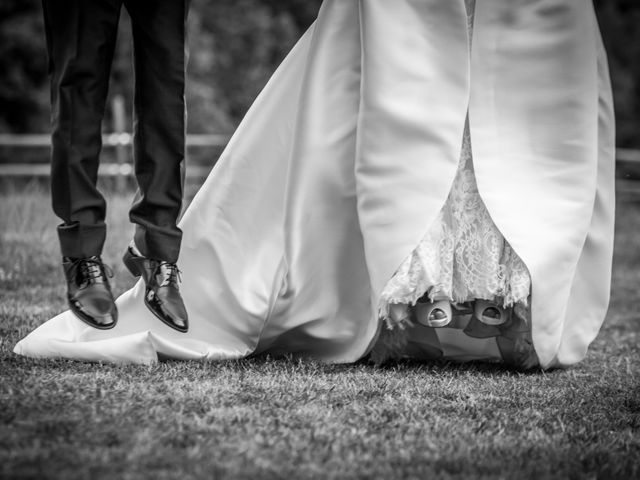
(158, 245)
(81, 241)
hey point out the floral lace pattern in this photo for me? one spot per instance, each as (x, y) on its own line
(463, 256)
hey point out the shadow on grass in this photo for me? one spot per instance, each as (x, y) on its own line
(268, 417)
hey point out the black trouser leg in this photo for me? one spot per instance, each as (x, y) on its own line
(81, 38)
(159, 29)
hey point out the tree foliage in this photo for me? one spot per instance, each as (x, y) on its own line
(23, 68)
(619, 20)
(235, 46)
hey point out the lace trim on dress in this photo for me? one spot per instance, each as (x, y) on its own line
(462, 257)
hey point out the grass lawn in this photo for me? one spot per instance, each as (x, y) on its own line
(284, 418)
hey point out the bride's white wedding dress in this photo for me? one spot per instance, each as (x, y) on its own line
(390, 155)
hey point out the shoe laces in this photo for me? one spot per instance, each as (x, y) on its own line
(170, 273)
(89, 271)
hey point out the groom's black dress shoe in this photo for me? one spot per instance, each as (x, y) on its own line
(89, 293)
(162, 294)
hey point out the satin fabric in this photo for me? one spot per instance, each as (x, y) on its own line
(347, 156)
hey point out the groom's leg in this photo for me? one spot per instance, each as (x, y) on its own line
(159, 34)
(159, 148)
(81, 38)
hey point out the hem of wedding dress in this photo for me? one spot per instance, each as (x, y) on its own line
(395, 334)
(436, 291)
(509, 344)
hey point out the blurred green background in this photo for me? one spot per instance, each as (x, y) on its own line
(235, 45)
